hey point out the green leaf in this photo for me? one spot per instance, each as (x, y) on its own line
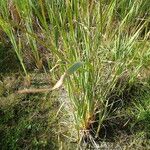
(74, 67)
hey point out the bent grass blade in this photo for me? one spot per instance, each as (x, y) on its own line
(59, 83)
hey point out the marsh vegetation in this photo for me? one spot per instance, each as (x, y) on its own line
(75, 74)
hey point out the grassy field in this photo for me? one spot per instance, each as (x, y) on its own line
(75, 74)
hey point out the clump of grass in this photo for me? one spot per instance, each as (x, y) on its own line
(141, 110)
(104, 35)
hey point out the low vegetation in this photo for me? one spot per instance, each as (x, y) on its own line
(75, 74)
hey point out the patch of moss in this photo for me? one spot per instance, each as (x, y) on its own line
(27, 121)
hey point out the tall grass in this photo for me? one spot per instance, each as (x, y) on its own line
(105, 35)
(8, 29)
